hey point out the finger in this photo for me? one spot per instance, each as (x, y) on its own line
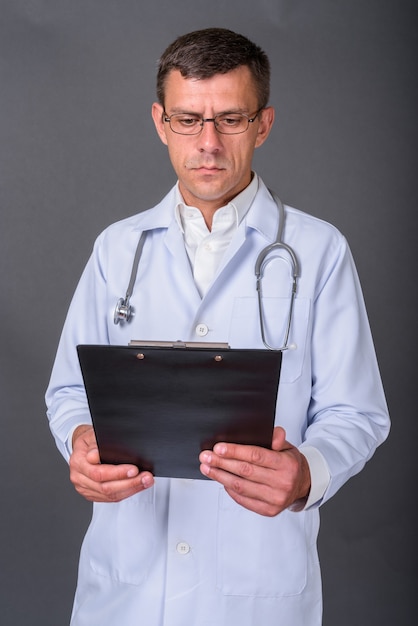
(87, 462)
(261, 497)
(113, 491)
(104, 473)
(105, 482)
(223, 453)
(117, 490)
(239, 477)
(250, 463)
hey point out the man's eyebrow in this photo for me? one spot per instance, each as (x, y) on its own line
(176, 110)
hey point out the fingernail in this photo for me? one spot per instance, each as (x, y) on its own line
(205, 469)
(147, 481)
(220, 448)
(206, 457)
(132, 472)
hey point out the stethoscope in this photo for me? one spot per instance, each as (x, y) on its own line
(124, 310)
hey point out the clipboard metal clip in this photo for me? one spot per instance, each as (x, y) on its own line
(178, 344)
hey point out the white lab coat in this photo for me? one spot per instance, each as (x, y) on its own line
(183, 553)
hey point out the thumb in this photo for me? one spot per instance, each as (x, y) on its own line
(279, 439)
(93, 456)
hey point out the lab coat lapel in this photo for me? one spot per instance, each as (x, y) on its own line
(261, 221)
(185, 282)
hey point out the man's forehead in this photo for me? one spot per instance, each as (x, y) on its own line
(237, 84)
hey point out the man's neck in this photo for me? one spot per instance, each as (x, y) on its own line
(208, 208)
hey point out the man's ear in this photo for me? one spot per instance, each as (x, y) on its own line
(157, 116)
(264, 127)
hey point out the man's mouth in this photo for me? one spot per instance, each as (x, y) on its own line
(207, 168)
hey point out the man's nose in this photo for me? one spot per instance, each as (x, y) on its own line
(209, 139)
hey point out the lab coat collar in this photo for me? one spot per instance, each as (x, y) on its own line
(159, 216)
(262, 215)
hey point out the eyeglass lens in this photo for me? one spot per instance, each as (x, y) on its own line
(225, 123)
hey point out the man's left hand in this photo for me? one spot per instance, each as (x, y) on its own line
(261, 480)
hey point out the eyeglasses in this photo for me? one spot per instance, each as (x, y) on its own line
(225, 123)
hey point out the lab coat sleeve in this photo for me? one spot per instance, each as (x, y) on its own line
(319, 476)
(66, 400)
(347, 416)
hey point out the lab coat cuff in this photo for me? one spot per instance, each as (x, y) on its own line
(69, 440)
(320, 478)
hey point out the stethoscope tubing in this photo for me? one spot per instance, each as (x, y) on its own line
(124, 311)
(259, 268)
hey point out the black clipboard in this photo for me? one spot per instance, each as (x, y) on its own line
(157, 406)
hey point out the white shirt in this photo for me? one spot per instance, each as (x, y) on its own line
(205, 247)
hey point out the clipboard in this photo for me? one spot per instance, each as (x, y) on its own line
(159, 405)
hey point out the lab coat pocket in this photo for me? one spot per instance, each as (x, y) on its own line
(120, 541)
(260, 556)
(245, 329)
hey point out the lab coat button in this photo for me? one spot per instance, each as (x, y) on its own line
(201, 330)
(183, 547)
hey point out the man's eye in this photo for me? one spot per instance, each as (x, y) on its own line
(188, 121)
(231, 120)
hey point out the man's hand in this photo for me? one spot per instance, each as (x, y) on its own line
(102, 483)
(261, 480)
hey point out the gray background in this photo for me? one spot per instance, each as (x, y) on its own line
(78, 151)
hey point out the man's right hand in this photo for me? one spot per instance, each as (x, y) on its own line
(99, 482)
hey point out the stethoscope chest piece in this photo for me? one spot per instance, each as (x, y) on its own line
(123, 311)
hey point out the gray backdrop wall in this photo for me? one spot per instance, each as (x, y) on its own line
(78, 151)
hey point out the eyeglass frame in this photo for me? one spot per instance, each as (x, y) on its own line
(250, 120)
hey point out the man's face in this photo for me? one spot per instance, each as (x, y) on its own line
(212, 168)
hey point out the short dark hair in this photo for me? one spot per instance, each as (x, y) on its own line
(203, 53)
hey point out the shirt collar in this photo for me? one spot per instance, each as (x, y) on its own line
(240, 204)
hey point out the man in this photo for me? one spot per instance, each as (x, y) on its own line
(239, 549)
